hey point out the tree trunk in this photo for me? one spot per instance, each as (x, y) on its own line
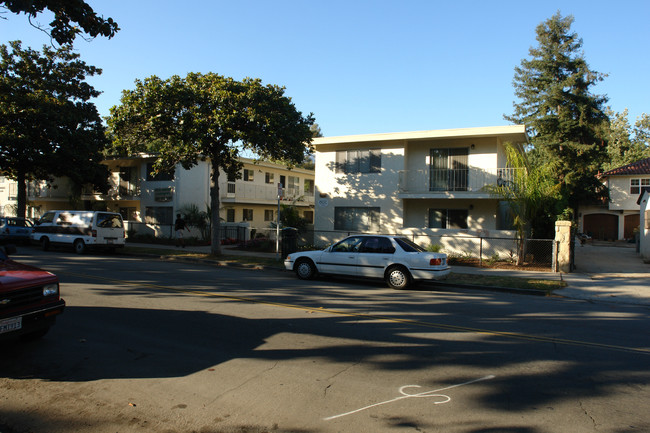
(215, 241)
(22, 194)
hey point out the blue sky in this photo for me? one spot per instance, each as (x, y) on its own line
(363, 66)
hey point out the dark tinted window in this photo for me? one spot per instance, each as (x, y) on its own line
(409, 246)
(378, 245)
(48, 217)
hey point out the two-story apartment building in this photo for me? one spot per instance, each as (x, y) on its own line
(618, 218)
(148, 201)
(8, 194)
(429, 182)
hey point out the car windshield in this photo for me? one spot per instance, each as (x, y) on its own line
(409, 246)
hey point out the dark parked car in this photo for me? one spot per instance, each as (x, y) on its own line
(14, 229)
(29, 298)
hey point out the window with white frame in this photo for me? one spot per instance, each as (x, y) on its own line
(358, 161)
(268, 215)
(359, 219)
(268, 177)
(637, 184)
(249, 175)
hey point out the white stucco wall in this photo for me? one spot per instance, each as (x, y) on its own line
(361, 189)
(619, 193)
(644, 228)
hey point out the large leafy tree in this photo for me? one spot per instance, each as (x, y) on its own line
(184, 120)
(71, 18)
(627, 144)
(48, 127)
(564, 119)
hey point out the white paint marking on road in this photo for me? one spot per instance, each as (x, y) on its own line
(433, 393)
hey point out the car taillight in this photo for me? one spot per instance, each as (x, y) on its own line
(94, 233)
(435, 262)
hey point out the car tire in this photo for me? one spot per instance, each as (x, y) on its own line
(79, 246)
(305, 269)
(45, 243)
(398, 277)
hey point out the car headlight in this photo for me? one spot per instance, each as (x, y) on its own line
(50, 289)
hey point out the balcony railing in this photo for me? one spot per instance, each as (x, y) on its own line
(453, 180)
(124, 192)
(247, 191)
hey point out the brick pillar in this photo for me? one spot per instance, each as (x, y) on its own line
(563, 241)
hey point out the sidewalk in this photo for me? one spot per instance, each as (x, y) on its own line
(614, 274)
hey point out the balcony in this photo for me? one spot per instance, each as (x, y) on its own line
(247, 192)
(453, 183)
(123, 192)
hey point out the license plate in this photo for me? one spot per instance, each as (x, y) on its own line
(9, 325)
(109, 241)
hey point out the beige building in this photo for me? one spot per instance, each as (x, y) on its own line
(619, 218)
(8, 194)
(425, 182)
(149, 203)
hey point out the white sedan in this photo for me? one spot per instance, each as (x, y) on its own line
(394, 259)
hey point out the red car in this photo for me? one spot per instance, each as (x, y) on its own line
(29, 298)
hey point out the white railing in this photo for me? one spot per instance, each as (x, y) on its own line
(250, 191)
(460, 180)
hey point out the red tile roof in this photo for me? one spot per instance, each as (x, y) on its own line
(639, 167)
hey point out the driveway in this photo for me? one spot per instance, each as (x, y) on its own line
(612, 258)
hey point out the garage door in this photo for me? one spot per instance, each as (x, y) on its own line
(631, 223)
(603, 227)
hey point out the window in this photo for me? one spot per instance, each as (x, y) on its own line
(448, 169)
(356, 218)
(349, 245)
(448, 218)
(309, 216)
(128, 213)
(159, 215)
(268, 177)
(358, 161)
(377, 245)
(248, 214)
(636, 184)
(249, 175)
(309, 186)
(230, 215)
(268, 215)
(166, 176)
(292, 186)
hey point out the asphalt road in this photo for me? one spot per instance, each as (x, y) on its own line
(163, 346)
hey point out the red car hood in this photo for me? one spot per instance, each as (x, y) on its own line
(16, 275)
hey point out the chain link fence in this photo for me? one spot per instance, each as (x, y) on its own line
(461, 248)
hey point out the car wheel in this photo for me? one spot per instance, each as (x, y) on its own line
(305, 269)
(45, 244)
(79, 246)
(398, 277)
